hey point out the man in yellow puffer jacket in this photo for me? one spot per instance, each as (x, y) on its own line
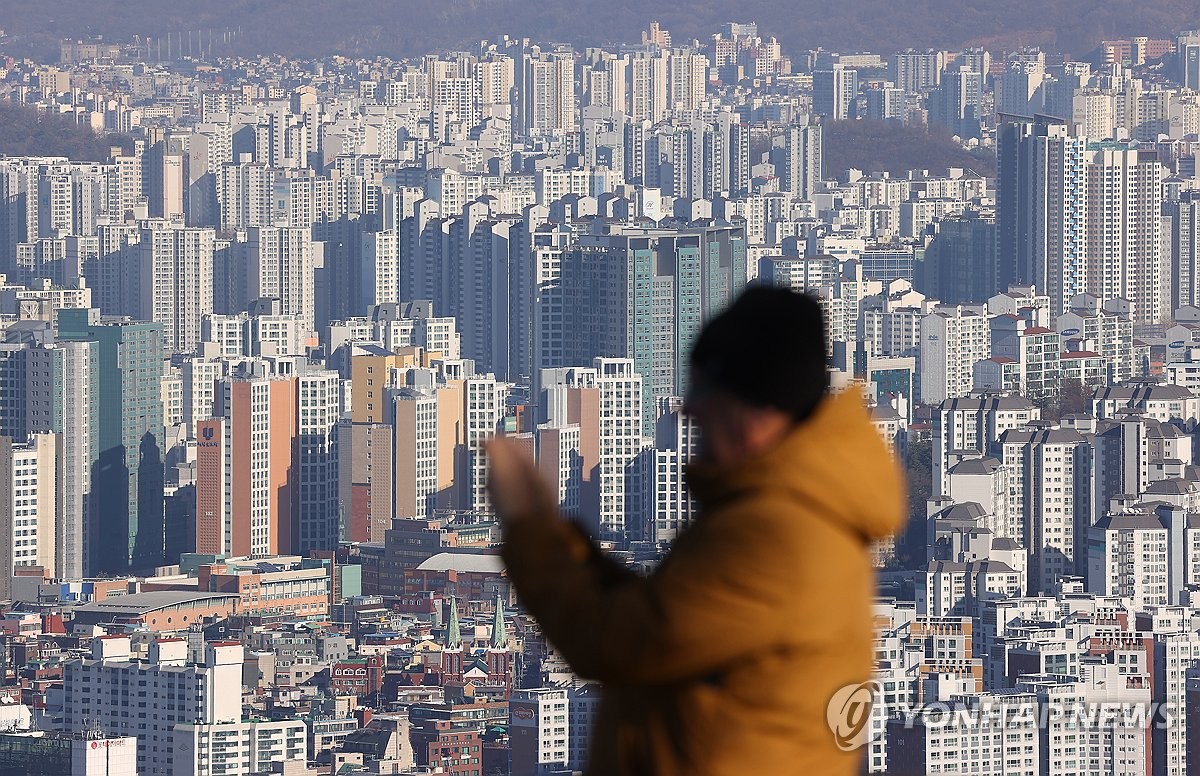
(724, 661)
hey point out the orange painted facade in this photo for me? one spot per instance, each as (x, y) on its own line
(257, 440)
(210, 471)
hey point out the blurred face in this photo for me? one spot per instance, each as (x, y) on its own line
(730, 429)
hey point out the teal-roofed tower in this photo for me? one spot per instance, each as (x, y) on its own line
(499, 626)
(453, 629)
(499, 659)
(453, 659)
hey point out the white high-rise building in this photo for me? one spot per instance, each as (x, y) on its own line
(318, 407)
(238, 748)
(61, 396)
(415, 419)
(544, 243)
(646, 87)
(459, 97)
(1125, 257)
(246, 194)
(687, 77)
(199, 376)
(113, 275)
(917, 72)
(1006, 720)
(834, 92)
(540, 719)
(381, 267)
(1107, 327)
(1185, 243)
(176, 287)
(106, 689)
(1055, 482)
(605, 401)
(1187, 53)
(280, 264)
(546, 94)
(803, 159)
(479, 286)
(1146, 556)
(179, 711)
(620, 442)
(1091, 725)
(486, 405)
(28, 505)
(975, 423)
(1041, 209)
(550, 727)
(1176, 658)
(495, 77)
(953, 339)
(1020, 89)
(676, 439)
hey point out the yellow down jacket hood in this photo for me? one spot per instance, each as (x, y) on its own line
(724, 660)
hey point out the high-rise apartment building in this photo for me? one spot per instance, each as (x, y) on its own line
(1020, 89)
(803, 160)
(62, 397)
(1187, 53)
(545, 94)
(974, 423)
(1106, 326)
(485, 405)
(246, 478)
(176, 288)
(126, 516)
(953, 339)
(318, 408)
(365, 471)
(676, 442)
(1140, 555)
(605, 402)
(1124, 241)
(956, 103)
(416, 420)
(1176, 659)
(29, 505)
(1056, 479)
(643, 294)
(834, 92)
(551, 727)
(1041, 208)
(645, 82)
(916, 72)
(687, 77)
(279, 264)
(1185, 247)
(960, 260)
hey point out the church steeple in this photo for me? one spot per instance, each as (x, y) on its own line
(499, 627)
(453, 630)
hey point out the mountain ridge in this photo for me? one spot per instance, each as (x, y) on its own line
(368, 27)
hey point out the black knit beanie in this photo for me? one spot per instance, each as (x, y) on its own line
(767, 349)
